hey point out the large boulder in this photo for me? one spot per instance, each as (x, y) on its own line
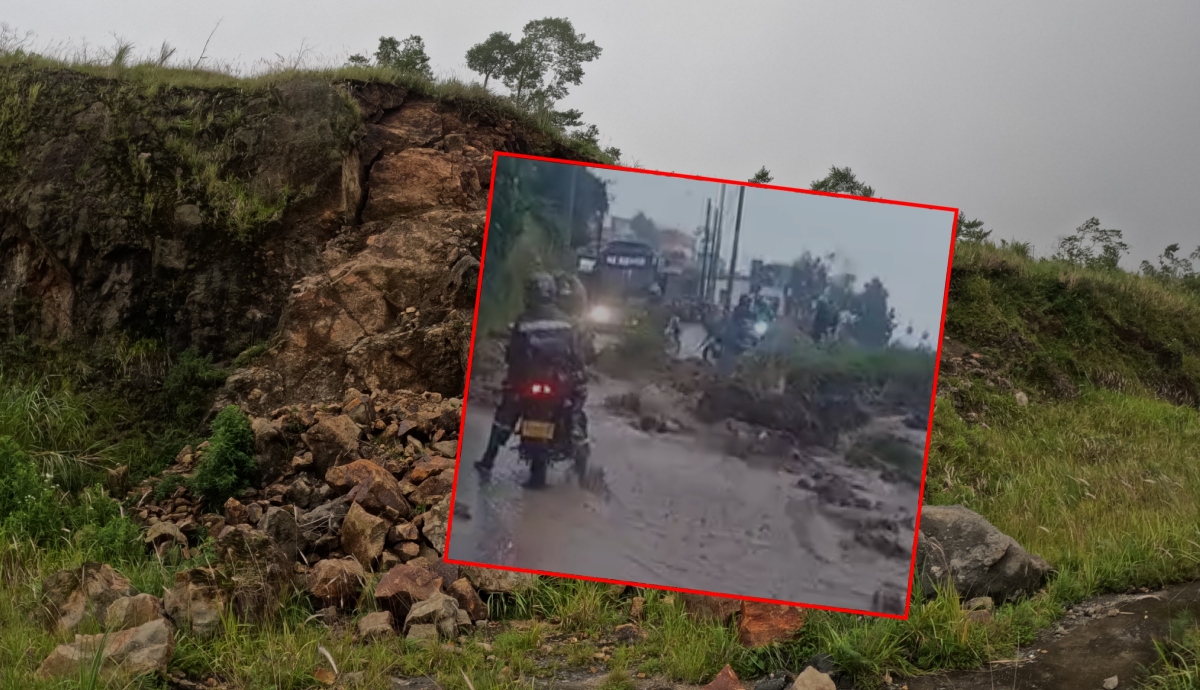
(717, 609)
(84, 593)
(370, 485)
(197, 601)
(433, 489)
(468, 599)
(959, 546)
(332, 440)
(336, 582)
(136, 651)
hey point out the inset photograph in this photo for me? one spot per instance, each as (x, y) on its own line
(701, 385)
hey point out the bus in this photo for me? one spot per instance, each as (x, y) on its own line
(627, 269)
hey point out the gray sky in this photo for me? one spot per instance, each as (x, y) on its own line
(1031, 115)
(907, 248)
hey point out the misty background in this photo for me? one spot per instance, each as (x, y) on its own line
(905, 247)
(1031, 116)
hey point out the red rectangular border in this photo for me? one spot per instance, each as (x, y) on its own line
(932, 400)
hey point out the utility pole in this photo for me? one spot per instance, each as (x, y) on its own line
(571, 206)
(716, 257)
(705, 250)
(737, 234)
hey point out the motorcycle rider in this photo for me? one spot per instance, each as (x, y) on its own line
(543, 341)
(573, 300)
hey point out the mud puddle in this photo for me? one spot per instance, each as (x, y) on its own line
(1109, 636)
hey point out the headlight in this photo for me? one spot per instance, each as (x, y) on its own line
(601, 314)
(760, 328)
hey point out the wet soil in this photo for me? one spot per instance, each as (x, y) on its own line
(1114, 636)
(678, 511)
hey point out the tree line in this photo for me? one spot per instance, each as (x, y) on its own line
(538, 69)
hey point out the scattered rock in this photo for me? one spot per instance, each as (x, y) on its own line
(136, 651)
(270, 449)
(1022, 399)
(324, 521)
(1111, 683)
(435, 524)
(812, 679)
(428, 467)
(403, 531)
(336, 582)
(131, 612)
(423, 633)
(280, 524)
(197, 601)
(959, 545)
(438, 610)
(363, 535)
(761, 624)
(434, 488)
(403, 586)
(725, 680)
(468, 599)
(498, 581)
(636, 608)
(375, 626)
(718, 609)
(235, 512)
(84, 593)
(980, 603)
(332, 440)
(370, 485)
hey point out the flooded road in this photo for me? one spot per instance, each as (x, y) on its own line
(679, 513)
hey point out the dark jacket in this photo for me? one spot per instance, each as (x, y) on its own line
(545, 342)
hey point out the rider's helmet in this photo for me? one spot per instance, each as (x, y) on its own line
(540, 290)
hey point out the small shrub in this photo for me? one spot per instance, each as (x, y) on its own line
(228, 465)
(188, 386)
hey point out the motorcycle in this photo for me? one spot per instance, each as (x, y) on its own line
(545, 431)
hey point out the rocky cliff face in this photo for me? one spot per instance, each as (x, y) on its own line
(339, 224)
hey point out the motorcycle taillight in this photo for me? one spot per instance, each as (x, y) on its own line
(540, 389)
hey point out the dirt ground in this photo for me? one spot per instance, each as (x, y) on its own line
(686, 509)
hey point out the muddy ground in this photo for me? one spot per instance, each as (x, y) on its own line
(697, 507)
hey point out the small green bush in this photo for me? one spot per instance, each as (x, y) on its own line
(188, 386)
(228, 465)
(28, 504)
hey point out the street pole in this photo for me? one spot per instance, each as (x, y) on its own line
(571, 206)
(716, 258)
(737, 233)
(705, 250)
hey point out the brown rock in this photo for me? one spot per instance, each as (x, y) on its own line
(336, 582)
(719, 609)
(363, 535)
(270, 448)
(435, 524)
(725, 680)
(332, 440)
(130, 612)
(636, 608)
(235, 512)
(280, 524)
(409, 550)
(427, 467)
(370, 485)
(197, 601)
(136, 651)
(164, 535)
(434, 488)
(438, 610)
(84, 593)
(498, 581)
(468, 599)
(812, 679)
(376, 625)
(403, 531)
(404, 585)
(761, 624)
(448, 449)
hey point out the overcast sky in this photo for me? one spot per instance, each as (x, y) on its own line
(907, 248)
(1033, 116)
